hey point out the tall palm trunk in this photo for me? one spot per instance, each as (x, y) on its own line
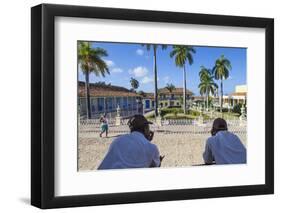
(184, 90)
(207, 97)
(221, 96)
(88, 102)
(204, 103)
(155, 84)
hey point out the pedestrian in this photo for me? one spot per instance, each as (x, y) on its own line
(104, 125)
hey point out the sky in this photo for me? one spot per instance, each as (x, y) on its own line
(133, 60)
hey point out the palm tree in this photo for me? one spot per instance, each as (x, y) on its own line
(183, 54)
(170, 87)
(207, 85)
(221, 72)
(90, 61)
(204, 72)
(154, 47)
(134, 84)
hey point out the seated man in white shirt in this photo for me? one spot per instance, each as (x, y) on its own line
(133, 150)
(223, 147)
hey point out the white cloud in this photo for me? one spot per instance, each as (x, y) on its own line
(147, 80)
(140, 52)
(139, 71)
(116, 70)
(109, 63)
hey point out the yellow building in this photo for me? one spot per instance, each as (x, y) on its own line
(238, 96)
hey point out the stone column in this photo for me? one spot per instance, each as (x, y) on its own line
(200, 118)
(158, 118)
(118, 117)
(242, 117)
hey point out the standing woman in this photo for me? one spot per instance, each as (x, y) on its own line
(104, 125)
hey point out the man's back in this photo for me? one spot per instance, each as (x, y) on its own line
(131, 151)
(224, 148)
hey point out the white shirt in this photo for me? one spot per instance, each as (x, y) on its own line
(131, 151)
(224, 148)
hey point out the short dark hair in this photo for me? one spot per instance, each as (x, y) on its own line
(219, 124)
(138, 123)
(138, 128)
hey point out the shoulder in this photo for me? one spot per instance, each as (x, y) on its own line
(121, 138)
(232, 135)
(211, 139)
(228, 135)
(153, 147)
(124, 136)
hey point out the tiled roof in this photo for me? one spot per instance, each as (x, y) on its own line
(103, 90)
(99, 90)
(238, 94)
(148, 95)
(198, 98)
(176, 91)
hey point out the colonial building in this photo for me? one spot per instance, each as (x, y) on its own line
(173, 98)
(107, 98)
(239, 96)
(148, 101)
(165, 98)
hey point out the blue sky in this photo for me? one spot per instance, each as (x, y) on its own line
(132, 60)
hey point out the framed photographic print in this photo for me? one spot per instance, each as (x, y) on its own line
(140, 106)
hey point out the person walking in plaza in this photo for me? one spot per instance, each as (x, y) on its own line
(223, 147)
(133, 150)
(104, 125)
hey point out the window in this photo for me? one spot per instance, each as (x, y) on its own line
(125, 102)
(130, 103)
(147, 104)
(100, 104)
(109, 104)
(82, 106)
(134, 102)
(93, 105)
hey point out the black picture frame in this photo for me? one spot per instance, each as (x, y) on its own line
(43, 105)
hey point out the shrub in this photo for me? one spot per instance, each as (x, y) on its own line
(193, 113)
(237, 108)
(174, 111)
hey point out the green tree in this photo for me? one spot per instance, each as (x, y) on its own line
(170, 87)
(207, 86)
(134, 84)
(182, 55)
(204, 73)
(221, 72)
(154, 48)
(90, 61)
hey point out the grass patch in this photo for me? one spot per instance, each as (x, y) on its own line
(179, 116)
(177, 113)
